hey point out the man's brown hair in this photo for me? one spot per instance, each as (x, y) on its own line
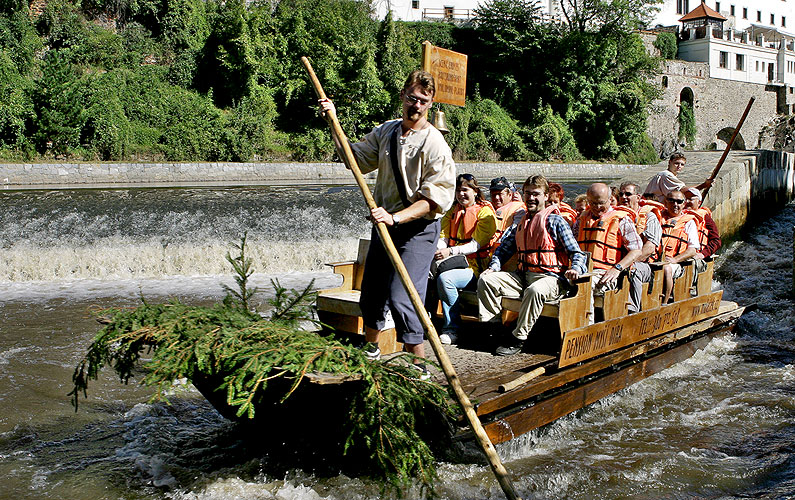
(421, 78)
(538, 181)
(677, 156)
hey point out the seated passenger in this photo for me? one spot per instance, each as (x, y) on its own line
(556, 198)
(666, 181)
(613, 196)
(708, 235)
(679, 240)
(580, 204)
(609, 233)
(548, 255)
(647, 224)
(467, 229)
(508, 210)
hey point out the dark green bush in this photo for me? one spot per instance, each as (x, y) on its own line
(666, 44)
(550, 138)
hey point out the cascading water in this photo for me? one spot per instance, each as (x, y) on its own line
(718, 425)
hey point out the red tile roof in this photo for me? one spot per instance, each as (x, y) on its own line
(701, 12)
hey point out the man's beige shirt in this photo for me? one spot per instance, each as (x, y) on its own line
(425, 162)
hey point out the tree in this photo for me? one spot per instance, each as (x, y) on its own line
(607, 15)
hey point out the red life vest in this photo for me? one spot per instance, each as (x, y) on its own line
(602, 237)
(647, 206)
(536, 248)
(674, 237)
(469, 218)
(701, 223)
(568, 213)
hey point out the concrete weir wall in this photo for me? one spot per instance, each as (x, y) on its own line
(750, 181)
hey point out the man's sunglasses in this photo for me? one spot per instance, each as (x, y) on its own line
(676, 200)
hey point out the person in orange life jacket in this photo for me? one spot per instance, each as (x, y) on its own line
(609, 233)
(708, 235)
(467, 229)
(556, 198)
(414, 187)
(666, 181)
(548, 256)
(508, 210)
(679, 241)
(647, 223)
(580, 204)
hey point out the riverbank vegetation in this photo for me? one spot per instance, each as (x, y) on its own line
(216, 80)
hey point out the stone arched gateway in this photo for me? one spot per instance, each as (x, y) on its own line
(725, 135)
(687, 117)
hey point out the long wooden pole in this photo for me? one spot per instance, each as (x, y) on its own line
(419, 307)
(728, 147)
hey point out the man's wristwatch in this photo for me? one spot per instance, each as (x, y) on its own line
(395, 220)
(618, 266)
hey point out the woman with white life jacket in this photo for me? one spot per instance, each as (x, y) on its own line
(679, 240)
(467, 229)
(507, 209)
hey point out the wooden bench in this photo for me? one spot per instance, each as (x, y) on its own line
(339, 307)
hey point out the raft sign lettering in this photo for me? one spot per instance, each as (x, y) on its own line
(591, 341)
(449, 70)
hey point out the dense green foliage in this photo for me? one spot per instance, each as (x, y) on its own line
(263, 362)
(666, 44)
(222, 81)
(687, 123)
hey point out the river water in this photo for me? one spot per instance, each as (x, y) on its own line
(719, 425)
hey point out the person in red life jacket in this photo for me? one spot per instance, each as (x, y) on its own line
(708, 235)
(467, 229)
(608, 232)
(580, 204)
(647, 224)
(556, 198)
(414, 187)
(548, 256)
(679, 240)
(666, 181)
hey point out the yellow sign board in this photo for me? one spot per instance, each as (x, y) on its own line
(600, 338)
(449, 70)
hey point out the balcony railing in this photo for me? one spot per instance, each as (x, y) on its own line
(448, 15)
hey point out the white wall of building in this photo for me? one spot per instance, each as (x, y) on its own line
(413, 10)
(740, 13)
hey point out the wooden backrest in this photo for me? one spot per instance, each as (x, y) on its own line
(364, 246)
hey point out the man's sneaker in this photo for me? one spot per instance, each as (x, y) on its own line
(448, 337)
(510, 346)
(422, 371)
(371, 350)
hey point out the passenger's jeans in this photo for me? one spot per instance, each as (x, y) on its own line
(447, 284)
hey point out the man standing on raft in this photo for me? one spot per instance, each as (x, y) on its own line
(415, 186)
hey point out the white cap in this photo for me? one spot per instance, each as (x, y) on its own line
(690, 192)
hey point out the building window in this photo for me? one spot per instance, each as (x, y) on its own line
(740, 62)
(682, 6)
(757, 65)
(724, 59)
(717, 6)
(772, 19)
(731, 10)
(745, 12)
(783, 22)
(759, 16)
(448, 12)
(415, 4)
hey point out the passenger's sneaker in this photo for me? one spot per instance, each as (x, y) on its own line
(510, 346)
(422, 371)
(371, 350)
(448, 337)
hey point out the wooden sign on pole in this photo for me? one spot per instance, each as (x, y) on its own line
(449, 70)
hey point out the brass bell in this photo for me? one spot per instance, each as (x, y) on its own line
(439, 122)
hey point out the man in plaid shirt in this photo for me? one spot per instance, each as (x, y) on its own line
(548, 256)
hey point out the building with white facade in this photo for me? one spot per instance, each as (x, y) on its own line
(427, 10)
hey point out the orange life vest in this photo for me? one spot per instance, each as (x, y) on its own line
(647, 206)
(674, 237)
(504, 220)
(602, 237)
(536, 248)
(568, 213)
(469, 218)
(701, 223)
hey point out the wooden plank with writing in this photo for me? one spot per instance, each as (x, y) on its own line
(600, 338)
(491, 400)
(449, 70)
